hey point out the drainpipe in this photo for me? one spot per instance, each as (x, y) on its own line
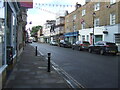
(5, 32)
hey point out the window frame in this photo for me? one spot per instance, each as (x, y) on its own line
(112, 1)
(97, 6)
(83, 12)
(83, 25)
(95, 22)
(74, 17)
(112, 19)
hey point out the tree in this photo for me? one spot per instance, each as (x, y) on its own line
(35, 29)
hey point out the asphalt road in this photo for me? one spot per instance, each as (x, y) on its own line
(91, 70)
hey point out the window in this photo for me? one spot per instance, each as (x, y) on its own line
(83, 37)
(97, 7)
(83, 12)
(67, 29)
(83, 25)
(112, 19)
(74, 17)
(112, 1)
(74, 27)
(67, 20)
(96, 22)
(2, 43)
(87, 37)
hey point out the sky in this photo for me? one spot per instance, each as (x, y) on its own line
(48, 10)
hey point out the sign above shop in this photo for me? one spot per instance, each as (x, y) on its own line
(26, 4)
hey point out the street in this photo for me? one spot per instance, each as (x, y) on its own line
(91, 70)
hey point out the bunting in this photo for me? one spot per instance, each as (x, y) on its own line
(53, 5)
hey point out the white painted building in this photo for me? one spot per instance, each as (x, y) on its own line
(109, 33)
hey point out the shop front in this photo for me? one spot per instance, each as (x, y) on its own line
(72, 37)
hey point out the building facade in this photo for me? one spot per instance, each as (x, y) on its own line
(98, 20)
(47, 31)
(12, 36)
(59, 28)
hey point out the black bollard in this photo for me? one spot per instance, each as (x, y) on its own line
(49, 54)
(36, 51)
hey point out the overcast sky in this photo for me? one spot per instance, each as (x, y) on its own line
(44, 10)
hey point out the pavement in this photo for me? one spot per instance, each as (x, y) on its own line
(31, 72)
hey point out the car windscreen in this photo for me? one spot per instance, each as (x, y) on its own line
(67, 42)
(86, 43)
(110, 44)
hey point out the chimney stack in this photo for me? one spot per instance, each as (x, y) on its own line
(77, 6)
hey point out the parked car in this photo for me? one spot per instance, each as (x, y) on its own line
(30, 40)
(103, 47)
(54, 43)
(81, 45)
(64, 43)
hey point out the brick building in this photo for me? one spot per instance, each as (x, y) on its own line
(101, 17)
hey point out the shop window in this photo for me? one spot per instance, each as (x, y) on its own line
(2, 44)
(98, 38)
(83, 37)
(117, 38)
(87, 37)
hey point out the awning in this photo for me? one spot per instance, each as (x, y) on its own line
(71, 34)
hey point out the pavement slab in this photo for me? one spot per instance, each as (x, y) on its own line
(31, 72)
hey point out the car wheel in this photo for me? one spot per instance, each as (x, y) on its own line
(114, 54)
(72, 48)
(102, 52)
(80, 49)
(90, 50)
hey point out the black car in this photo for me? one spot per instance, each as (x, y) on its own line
(81, 45)
(63, 43)
(103, 47)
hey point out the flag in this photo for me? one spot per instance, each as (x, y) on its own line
(82, 21)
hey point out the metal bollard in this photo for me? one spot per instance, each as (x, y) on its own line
(49, 54)
(36, 51)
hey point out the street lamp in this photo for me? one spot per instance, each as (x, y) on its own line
(93, 26)
(73, 30)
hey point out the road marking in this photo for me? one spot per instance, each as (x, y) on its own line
(70, 80)
(41, 53)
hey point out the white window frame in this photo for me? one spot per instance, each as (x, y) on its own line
(74, 16)
(87, 37)
(83, 37)
(112, 18)
(83, 12)
(96, 22)
(97, 6)
(83, 25)
(67, 20)
(112, 1)
(74, 27)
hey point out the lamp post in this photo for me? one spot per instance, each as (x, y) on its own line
(73, 30)
(93, 26)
